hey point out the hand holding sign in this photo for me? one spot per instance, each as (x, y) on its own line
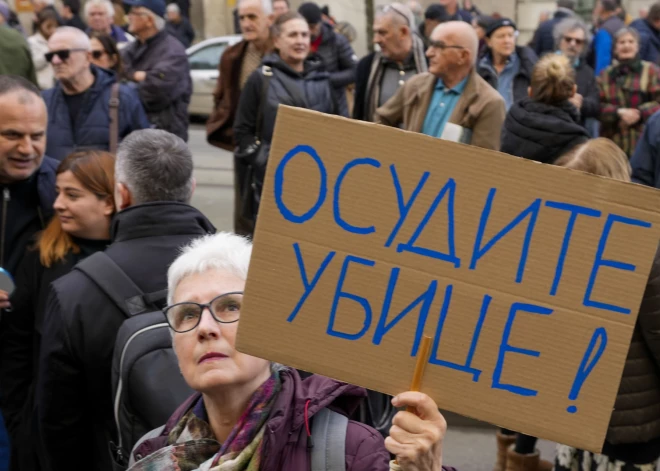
(416, 438)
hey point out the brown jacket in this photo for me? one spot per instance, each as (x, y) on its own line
(219, 127)
(480, 108)
(636, 416)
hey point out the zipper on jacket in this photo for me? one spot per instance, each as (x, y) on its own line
(6, 197)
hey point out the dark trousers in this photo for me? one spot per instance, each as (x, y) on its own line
(242, 225)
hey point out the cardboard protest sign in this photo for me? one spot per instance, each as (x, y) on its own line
(528, 277)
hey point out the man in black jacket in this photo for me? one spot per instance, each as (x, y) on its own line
(179, 26)
(154, 184)
(335, 51)
(572, 39)
(27, 184)
(158, 63)
(70, 13)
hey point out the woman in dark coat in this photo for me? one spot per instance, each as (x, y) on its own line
(287, 77)
(249, 414)
(545, 125)
(81, 226)
(633, 437)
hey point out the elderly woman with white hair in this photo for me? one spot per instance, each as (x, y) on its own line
(249, 414)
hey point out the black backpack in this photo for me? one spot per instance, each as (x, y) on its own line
(147, 385)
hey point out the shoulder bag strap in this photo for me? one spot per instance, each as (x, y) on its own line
(114, 118)
(644, 80)
(329, 432)
(117, 285)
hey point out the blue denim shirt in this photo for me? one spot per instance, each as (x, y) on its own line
(505, 79)
(441, 107)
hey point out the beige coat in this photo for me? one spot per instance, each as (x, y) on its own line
(480, 108)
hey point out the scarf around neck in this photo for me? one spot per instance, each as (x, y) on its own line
(192, 445)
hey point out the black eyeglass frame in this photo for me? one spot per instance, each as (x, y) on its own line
(202, 308)
(442, 46)
(63, 54)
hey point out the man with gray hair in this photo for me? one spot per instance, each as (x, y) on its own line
(401, 56)
(450, 101)
(179, 26)
(158, 64)
(99, 15)
(573, 39)
(154, 185)
(543, 40)
(79, 103)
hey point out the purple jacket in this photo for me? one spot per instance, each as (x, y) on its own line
(285, 440)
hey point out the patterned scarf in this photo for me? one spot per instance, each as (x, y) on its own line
(192, 445)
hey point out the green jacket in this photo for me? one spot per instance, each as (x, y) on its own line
(15, 57)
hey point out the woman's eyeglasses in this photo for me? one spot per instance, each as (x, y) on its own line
(98, 53)
(184, 317)
(63, 54)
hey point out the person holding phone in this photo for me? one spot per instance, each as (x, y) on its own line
(83, 211)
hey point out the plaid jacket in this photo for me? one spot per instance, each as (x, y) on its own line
(621, 87)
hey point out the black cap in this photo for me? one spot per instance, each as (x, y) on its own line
(156, 6)
(500, 23)
(311, 12)
(436, 12)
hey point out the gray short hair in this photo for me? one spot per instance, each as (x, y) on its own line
(155, 166)
(626, 30)
(81, 40)
(266, 5)
(109, 7)
(173, 7)
(571, 24)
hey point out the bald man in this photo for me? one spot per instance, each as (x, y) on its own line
(400, 57)
(78, 105)
(450, 101)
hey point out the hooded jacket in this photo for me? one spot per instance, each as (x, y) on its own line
(541, 132)
(285, 443)
(80, 327)
(91, 128)
(313, 85)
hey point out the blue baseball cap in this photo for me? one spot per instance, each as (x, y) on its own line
(157, 6)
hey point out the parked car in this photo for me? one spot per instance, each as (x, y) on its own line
(204, 58)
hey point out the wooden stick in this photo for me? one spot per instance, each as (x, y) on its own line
(420, 367)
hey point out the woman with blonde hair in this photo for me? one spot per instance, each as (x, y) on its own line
(546, 124)
(81, 226)
(633, 437)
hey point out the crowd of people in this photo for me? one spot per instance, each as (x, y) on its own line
(97, 230)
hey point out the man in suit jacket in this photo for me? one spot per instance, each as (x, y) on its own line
(450, 93)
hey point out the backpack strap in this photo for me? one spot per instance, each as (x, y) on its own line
(329, 431)
(114, 118)
(117, 285)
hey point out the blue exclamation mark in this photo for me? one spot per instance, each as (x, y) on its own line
(587, 365)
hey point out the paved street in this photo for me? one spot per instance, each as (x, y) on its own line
(469, 445)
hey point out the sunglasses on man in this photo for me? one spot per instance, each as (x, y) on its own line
(63, 54)
(577, 41)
